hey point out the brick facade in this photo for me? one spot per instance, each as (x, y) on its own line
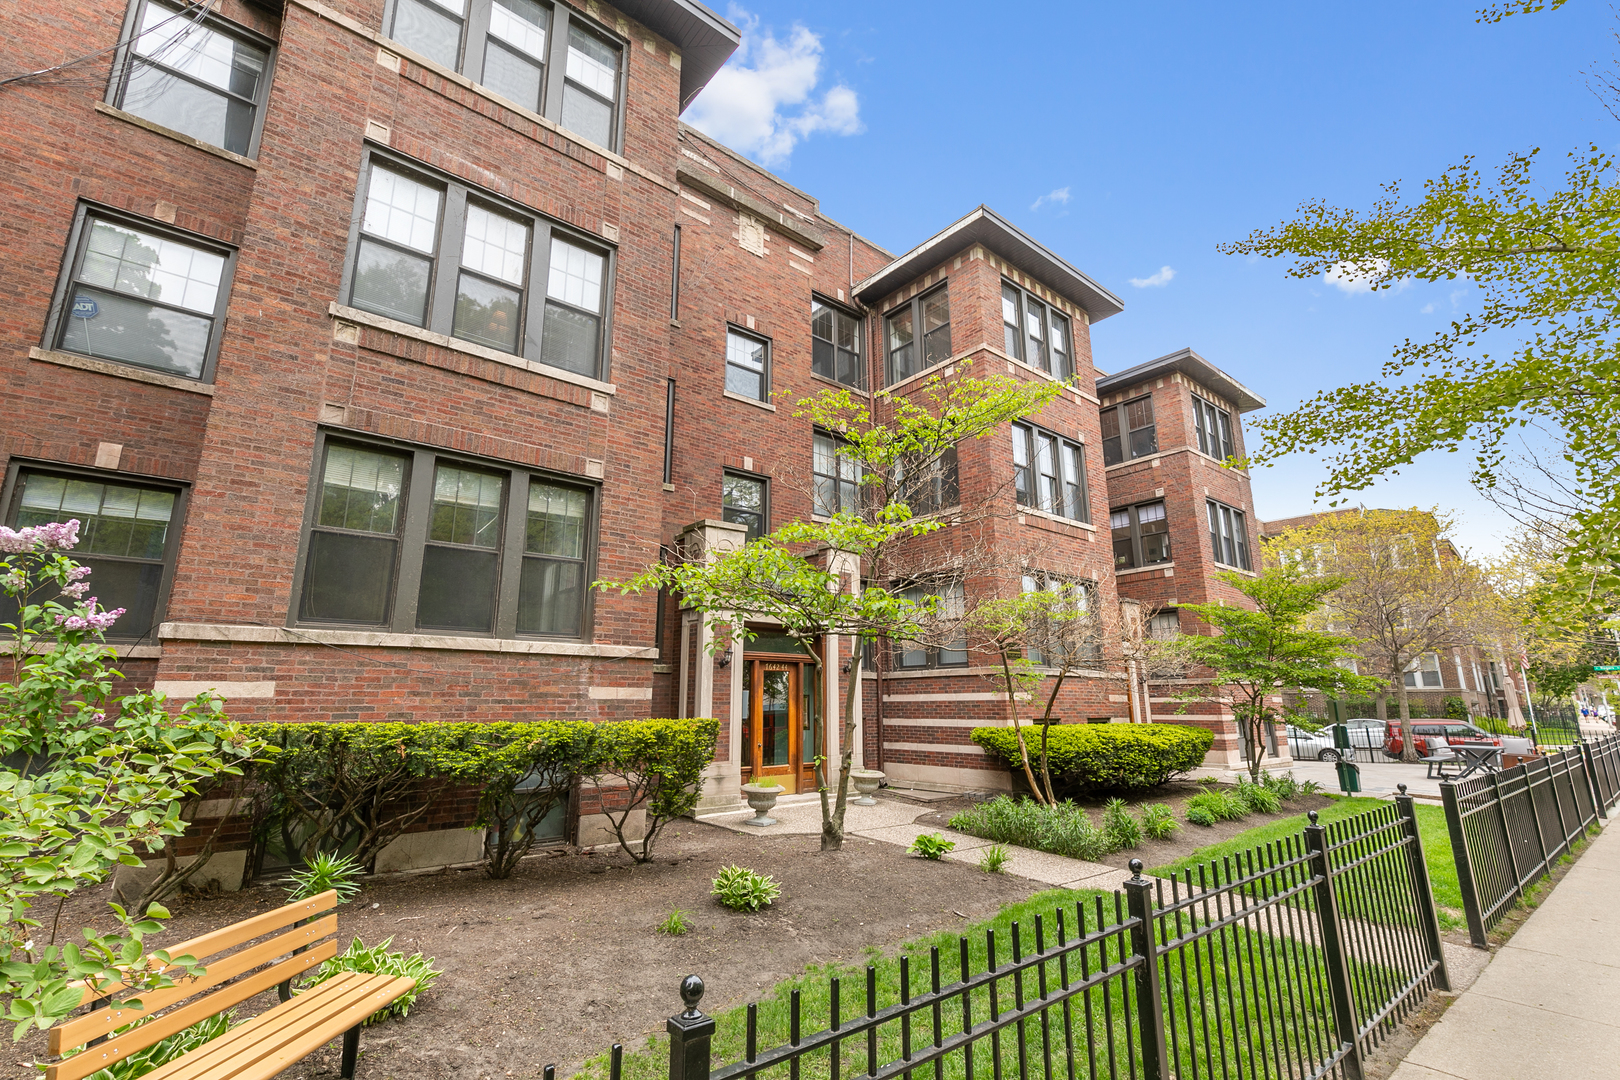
(295, 363)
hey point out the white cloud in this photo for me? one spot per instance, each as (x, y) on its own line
(1055, 197)
(1352, 278)
(1155, 280)
(762, 102)
(1427, 309)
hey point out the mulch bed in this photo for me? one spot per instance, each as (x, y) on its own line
(561, 960)
(1185, 841)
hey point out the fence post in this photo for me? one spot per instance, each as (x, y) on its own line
(1420, 882)
(689, 1035)
(1465, 867)
(1149, 999)
(1333, 951)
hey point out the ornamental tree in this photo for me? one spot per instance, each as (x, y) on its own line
(1258, 654)
(88, 781)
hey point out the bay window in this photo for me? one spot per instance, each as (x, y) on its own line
(1129, 431)
(1141, 536)
(918, 334)
(1228, 536)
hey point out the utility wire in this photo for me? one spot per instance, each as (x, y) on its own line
(203, 9)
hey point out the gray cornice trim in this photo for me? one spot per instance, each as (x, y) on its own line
(1193, 366)
(717, 189)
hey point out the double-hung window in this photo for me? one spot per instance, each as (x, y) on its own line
(835, 343)
(743, 502)
(929, 484)
(551, 60)
(446, 257)
(1424, 672)
(1035, 333)
(195, 74)
(1228, 536)
(748, 365)
(1214, 428)
(128, 535)
(1049, 473)
(1067, 631)
(1141, 536)
(414, 540)
(949, 608)
(142, 294)
(1129, 432)
(837, 476)
(918, 334)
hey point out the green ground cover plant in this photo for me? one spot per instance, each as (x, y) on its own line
(1064, 829)
(379, 959)
(742, 889)
(1158, 822)
(1119, 827)
(931, 846)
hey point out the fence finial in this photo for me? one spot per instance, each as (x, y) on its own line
(691, 994)
(1313, 815)
(1401, 788)
(1136, 869)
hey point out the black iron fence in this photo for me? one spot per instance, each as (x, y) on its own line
(1290, 961)
(1509, 828)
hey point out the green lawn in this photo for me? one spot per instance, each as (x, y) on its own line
(1221, 1011)
(1431, 826)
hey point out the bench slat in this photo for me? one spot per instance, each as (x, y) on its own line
(99, 1057)
(270, 1043)
(226, 937)
(82, 1029)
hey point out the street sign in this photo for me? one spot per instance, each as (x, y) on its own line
(1605, 667)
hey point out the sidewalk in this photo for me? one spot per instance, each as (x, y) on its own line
(1548, 1004)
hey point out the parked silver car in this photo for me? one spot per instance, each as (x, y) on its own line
(1316, 745)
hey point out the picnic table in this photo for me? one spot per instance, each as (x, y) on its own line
(1469, 758)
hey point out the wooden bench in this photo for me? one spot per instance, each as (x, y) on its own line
(261, 1047)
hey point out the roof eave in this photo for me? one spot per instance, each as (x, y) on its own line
(1191, 364)
(705, 40)
(986, 227)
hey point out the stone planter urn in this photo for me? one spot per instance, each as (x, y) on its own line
(867, 781)
(760, 800)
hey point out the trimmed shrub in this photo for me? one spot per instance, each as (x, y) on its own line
(655, 763)
(1107, 757)
(1454, 708)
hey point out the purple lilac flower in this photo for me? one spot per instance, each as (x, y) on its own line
(55, 536)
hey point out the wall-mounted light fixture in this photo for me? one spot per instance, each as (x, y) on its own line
(724, 659)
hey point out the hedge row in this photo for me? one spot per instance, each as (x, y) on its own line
(355, 787)
(1103, 757)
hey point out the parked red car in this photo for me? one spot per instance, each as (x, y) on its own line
(1429, 734)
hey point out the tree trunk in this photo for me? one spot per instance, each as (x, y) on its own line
(1257, 739)
(1408, 748)
(832, 827)
(1018, 732)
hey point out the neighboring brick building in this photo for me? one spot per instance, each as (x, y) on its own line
(364, 334)
(1178, 517)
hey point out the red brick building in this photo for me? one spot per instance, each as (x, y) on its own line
(363, 335)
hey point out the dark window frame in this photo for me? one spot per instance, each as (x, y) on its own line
(1124, 437)
(766, 372)
(1043, 580)
(935, 489)
(836, 480)
(764, 483)
(1229, 522)
(1016, 339)
(413, 539)
(125, 59)
(933, 653)
(472, 51)
(1213, 426)
(10, 504)
(844, 311)
(72, 263)
(449, 238)
(1138, 560)
(1026, 478)
(918, 343)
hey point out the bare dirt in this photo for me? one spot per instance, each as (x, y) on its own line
(561, 960)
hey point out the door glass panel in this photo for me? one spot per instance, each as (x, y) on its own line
(748, 721)
(776, 697)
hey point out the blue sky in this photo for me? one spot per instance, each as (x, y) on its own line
(1156, 131)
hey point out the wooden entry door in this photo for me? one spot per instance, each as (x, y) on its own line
(773, 730)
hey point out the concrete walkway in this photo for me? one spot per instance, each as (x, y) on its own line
(1548, 1004)
(894, 822)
